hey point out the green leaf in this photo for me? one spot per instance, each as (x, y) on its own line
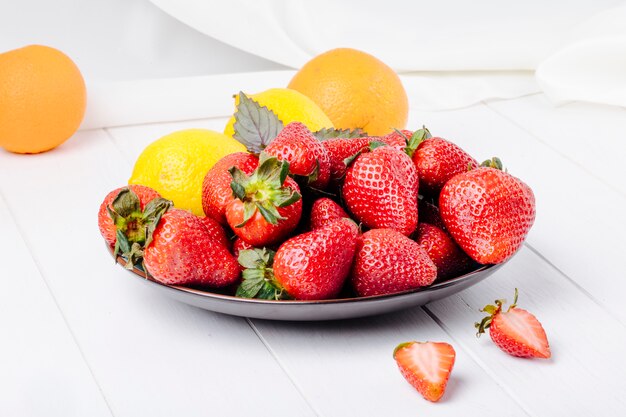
(330, 133)
(152, 214)
(269, 212)
(126, 203)
(416, 139)
(255, 126)
(249, 208)
(252, 258)
(494, 162)
(287, 197)
(376, 144)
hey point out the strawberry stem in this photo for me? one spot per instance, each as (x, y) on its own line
(494, 162)
(492, 310)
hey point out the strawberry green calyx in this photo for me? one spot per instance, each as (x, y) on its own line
(494, 162)
(331, 133)
(416, 139)
(492, 310)
(134, 227)
(263, 190)
(258, 277)
(255, 126)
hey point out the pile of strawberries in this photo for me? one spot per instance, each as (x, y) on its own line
(318, 215)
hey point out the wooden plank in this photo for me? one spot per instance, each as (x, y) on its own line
(591, 135)
(585, 375)
(579, 226)
(42, 369)
(150, 355)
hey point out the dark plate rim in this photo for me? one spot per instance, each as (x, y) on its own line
(230, 298)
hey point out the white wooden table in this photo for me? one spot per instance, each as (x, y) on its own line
(79, 336)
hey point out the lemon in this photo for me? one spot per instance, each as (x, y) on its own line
(175, 165)
(289, 106)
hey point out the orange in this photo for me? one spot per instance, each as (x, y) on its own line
(42, 99)
(355, 90)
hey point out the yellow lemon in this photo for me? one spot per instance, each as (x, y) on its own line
(289, 106)
(176, 164)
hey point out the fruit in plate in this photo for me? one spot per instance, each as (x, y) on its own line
(339, 149)
(305, 154)
(289, 105)
(325, 211)
(42, 99)
(426, 366)
(449, 259)
(310, 266)
(267, 204)
(437, 160)
(216, 191)
(182, 252)
(387, 262)
(515, 331)
(380, 190)
(355, 90)
(127, 213)
(175, 165)
(488, 212)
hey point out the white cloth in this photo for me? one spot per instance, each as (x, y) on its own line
(450, 53)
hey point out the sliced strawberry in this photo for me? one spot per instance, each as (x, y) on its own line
(426, 366)
(515, 331)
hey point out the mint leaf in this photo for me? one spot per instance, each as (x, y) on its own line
(255, 126)
(330, 133)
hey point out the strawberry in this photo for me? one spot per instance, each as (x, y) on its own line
(426, 366)
(437, 160)
(216, 191)
(268, 204)
(240, 245)
(182, 252)
(515, 331)
(429, 213)
(216, 231)
(339, 149)
(380, 189)
(325, 211)
(488, 212)
(387, 262)
(128, 218)
(304, 152)
(450, 260)
(397, 139)
(310, 266)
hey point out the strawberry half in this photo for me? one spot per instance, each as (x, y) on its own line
(426, 366)
(488, 212)
(515, 331)
(268, 204)
(380, 189)
(304, 152)
(325, 211)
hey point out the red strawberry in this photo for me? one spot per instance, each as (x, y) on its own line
(325, 211)
(488, 212)
(387, 262)
(426, 366)
(310, 266)
(267, 207)
(216, 191)
(305, 154)
(216, 231)
(339, 149)
(240, 245)
(450, 260)
(437, 160)
(182, 252)
(429, 213)
(515, 331)
(380, 189)
(397, 139)
(128, 219)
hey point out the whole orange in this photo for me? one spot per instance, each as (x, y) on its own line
(42, 99)
(355, 90)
